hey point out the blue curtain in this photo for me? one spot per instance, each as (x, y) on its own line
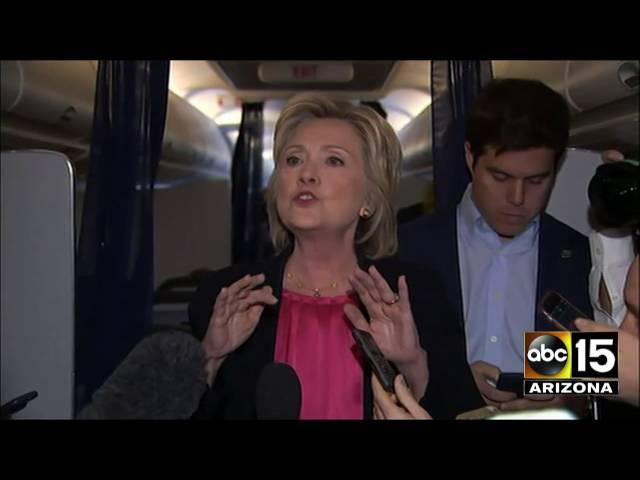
(454, 86)
(247, 202)
(115, 255)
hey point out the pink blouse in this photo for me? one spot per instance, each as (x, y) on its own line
(314, 338)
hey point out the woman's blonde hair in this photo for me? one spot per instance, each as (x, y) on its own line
(376, 235)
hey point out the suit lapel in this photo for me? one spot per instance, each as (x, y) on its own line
(553, 256)
(449, 264)
(264, 336)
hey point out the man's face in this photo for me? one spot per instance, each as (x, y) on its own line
(511, 188)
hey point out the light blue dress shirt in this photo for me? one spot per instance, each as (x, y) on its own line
(498, 280)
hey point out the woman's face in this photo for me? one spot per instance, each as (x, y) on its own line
(322, 184)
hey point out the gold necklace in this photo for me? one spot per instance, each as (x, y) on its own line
(301, 286)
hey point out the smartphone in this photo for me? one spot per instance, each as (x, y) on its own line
(384, 371)
(559, 311)
(511, 382)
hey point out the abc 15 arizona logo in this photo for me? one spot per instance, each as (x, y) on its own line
(571, 363)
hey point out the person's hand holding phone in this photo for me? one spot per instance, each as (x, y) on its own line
(391, 324)
(382, 369)
(399, 406)
(486, 377)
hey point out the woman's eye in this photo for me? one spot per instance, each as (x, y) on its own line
(335, 161)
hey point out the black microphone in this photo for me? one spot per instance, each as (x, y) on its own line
(162, 378)
(17, 404)
(278, 393)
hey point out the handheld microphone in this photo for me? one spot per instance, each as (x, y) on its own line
(278, 393)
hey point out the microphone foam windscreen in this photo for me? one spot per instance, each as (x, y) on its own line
(278, 393)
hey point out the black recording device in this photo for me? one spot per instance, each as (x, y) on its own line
(614, 193)
(17, 404)
(384, 371)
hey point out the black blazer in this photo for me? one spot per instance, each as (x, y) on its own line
(451, 389)
(564, 259)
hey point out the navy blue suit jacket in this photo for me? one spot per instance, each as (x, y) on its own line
(564, 259)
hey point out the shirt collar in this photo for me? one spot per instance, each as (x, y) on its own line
(475, 227)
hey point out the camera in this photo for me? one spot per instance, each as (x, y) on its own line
(614, 193)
